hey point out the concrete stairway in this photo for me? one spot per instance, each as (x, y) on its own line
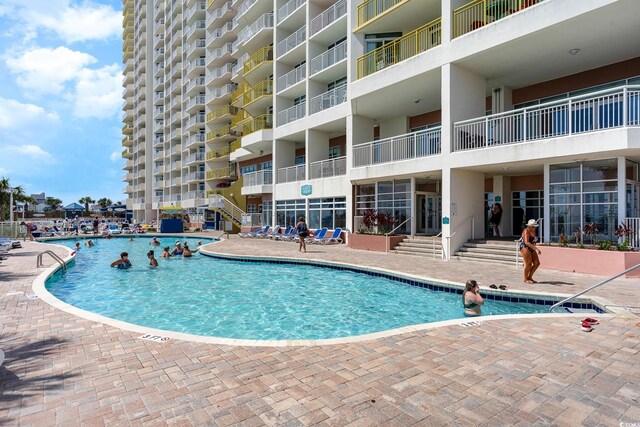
(422, 246)
(488, 251)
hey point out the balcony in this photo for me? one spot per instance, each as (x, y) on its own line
(265, 22)
(221, 35)
(194, 176)
(329, 58)
(220, 55)
(328, 99)
(194, 194)
(263, 177)
(223, 173)
(292, 41)
(218, 75)
(239, 119)
(196, 45)
(194, 140)
(193, 158)
(221, 93)
(397, 148)
(291, 6)
(220, 134)
(292, 77)
(291, 114)
(479, 13)
(607, 109)
(411, 44)
(262, 56)
(291, 174)
(326, 18)
(259, 123)
(328, 168)
(220, 153)
(258, 97)
(223, 112)
(369, 9)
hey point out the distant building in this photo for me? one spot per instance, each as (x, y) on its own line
(39, 205)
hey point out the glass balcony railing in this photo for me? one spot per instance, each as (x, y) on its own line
(225, 110)
(292, 41)
(405, 47)
(291, 78)
(264, 88)
(327, 17)
(329, 58)
(291, 114)
(261, 56)
(264, 177)
(479, 13)
(402, 147)
(606, 109)
(259, 123)
(328, 168)
(288, 9)
(219, 133)
(369, 9)
(328, 99)
(291, 174)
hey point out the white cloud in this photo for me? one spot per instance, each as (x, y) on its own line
(98, 92)
(115, 156)
(45, 70)
(16, 115)
(29, 150)
(70, 20)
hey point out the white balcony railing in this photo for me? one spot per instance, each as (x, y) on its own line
(329, 58)
(328, 99)
(291, 174)
(327, 17)
(328, 168)
(220, 92)
(193, 195)
(292, 113)
(194, 139)
(292, 41)
(264, 22)
(606, 109)
(195, 176)
(288, 9)
(412, 145)
(292, 77)
(197, 157)
(263, 177)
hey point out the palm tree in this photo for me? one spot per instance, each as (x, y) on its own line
(86, 200)
(18, 196)
(53, 203)
(104, 202)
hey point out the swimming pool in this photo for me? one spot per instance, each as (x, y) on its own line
(249, 300)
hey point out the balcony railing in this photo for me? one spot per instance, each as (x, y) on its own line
(194, 176)
(228, 172)
(240, 117)
(263, 177)
(291, 78)
(219, 132)
(328, 99)
(225, 110)
(369, 9)
(291, 174)
(263, 88)
(261, 56)
(259, 123)
(479, 13)
(292, 113)
(292, 41)
(328, 168)
(194, 194)
(607, 109)
(196, 157)
(405, 47)
(265, 21)
(412, 145)
(194, 139)
(220, 92)
(288, 9)
(218, 153)
(329, 58)
(327, 17)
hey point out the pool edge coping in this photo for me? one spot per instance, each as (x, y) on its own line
(39, 289)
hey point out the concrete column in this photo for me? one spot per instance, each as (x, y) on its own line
(622, 189)
(501, 99)
(546, 222)
(414, 211)
(359, 130)
(284, 155)
(502, 189)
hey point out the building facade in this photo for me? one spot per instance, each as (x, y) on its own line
(430, 111)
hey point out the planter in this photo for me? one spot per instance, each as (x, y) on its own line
(590, 261)
(374, 242)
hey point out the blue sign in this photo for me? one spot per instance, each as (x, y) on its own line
(445, 220)
(498, 199)
(306, 190)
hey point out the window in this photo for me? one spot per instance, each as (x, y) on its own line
(340, 82)
(288, 211)
(374, 41)
(328, 212)
(390, 197)
(299, 160)
(526, 205)
(252, 208)
(266, 165)
(334, 152)
(300, 100)
(248, 169)
(332, 45)
(267, 212)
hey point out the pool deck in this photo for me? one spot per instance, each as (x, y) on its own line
(64, 369)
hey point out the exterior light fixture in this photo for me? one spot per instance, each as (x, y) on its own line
(574, 51)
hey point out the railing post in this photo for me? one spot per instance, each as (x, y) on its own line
(625, 106)
(569, 117)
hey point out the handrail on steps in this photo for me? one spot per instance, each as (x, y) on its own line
(434, 245)
(54, 256)
(605, 281)
(401, 224)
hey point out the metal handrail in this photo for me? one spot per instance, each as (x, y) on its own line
(434, 245)
(595, 286)
(54, 256)
(401, 224)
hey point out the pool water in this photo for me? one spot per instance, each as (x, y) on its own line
(249, 300)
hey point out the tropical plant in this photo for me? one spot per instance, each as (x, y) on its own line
(5, 197)
(104, 202)
(591, 230)
(53, 202)
(563, 240)
(86, 201)
(622, 231)
(377, 222)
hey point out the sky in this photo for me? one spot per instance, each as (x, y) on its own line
(61, 97)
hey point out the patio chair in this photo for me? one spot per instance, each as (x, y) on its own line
(113, 229)
(317, 236)
(334, 238)
(268, 234)
(283, 235)
(251, 233)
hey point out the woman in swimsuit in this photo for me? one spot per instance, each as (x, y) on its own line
(186, 253)
(529, 251)
(123, 262)
(153, 262)
(177, 251)
(471, 299)
(166, 253)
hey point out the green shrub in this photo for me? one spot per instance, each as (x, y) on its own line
(151, 230)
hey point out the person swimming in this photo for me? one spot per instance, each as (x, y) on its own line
(471, 299)
(166, 253)
(154, 241)
(153, 262)
(178, 249)
(89, 243)
(186, 253)
(123, 262)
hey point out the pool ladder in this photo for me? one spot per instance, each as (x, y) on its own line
(54, 256)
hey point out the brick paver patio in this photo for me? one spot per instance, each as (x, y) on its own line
(67, 370)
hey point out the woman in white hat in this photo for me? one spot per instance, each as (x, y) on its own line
(530, 251)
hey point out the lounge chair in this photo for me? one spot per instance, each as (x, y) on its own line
(279, 236)
(113, 229)
(287, 235)
(334, 238)
(267, 235)
(318, 236)
(251, 233)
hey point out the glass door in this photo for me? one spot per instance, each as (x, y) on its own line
(434, 213)
(633, 199)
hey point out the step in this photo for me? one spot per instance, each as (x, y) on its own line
(417, 250)
(484, 261)
(510, 252)
(419, 254)
(490, 245)
(420, 245)
(484, 256)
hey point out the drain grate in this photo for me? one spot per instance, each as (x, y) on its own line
(470, 324)
(32, 297)
(155, 338)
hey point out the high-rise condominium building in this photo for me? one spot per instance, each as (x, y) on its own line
(429, 110)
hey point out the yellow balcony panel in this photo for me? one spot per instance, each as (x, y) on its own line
(262, 56)
(405, 47)
(478, 13)
(238, 94)
(127, 154)
(370, 9)
(259, 123)
(127, 129)
(263, 88)
(220, 134)
(228, 172)
(222, 112)
(127, 141)
(240, 118)
(218, 153)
